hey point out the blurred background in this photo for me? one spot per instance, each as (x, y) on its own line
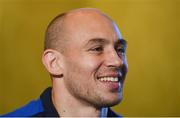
(151, 27)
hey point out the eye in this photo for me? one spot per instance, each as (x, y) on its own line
(97, 49)
(120, 50)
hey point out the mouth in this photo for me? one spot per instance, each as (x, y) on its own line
(108, 79)
(112, 81)
(112, 77)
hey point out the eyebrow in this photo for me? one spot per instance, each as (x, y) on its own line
(97, 40)
(105, 41)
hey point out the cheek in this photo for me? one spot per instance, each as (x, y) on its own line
(80, 74)
(95, 63)
(84, 65)
(90, 64)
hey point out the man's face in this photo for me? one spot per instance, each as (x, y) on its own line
(95, 62)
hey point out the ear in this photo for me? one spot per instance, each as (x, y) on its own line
(52, 60)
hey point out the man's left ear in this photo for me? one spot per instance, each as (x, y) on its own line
(53, 62)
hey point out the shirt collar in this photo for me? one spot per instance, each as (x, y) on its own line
(104, 112)
(49, 108)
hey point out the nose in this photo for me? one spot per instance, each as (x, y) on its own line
(113, 60)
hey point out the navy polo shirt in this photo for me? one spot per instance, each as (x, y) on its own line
(44, 107)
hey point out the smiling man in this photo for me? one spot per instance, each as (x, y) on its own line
(85, 56)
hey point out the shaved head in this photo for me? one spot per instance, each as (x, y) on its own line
(57, 33)
(54, 30)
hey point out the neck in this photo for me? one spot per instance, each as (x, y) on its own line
(68, 105)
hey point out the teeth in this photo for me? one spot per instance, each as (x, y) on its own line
(109, 79)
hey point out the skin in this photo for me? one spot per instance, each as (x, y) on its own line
(93, 50)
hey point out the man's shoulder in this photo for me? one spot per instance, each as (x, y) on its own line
(43, 106)
(30, 109)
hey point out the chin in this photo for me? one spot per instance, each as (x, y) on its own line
(110, 101)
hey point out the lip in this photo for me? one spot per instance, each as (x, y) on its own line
(109, 75)
(112, 86)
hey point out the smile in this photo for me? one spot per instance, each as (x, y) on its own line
(108, 79)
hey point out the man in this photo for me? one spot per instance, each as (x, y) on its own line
(85, 56)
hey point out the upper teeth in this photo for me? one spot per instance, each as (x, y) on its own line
(112, 79)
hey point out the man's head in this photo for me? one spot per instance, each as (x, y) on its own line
(85, 50)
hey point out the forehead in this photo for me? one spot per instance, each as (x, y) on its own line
(82, 27)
